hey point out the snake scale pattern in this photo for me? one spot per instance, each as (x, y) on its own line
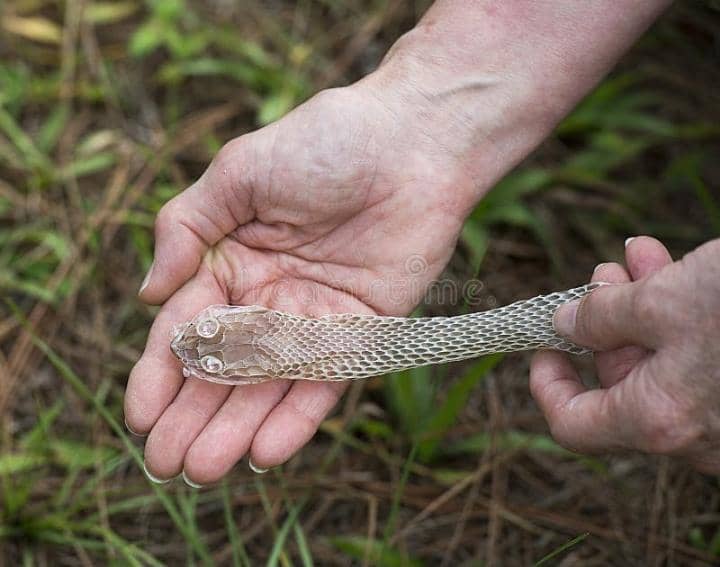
(246, 345)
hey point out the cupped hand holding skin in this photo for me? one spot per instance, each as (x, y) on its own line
(311, 215)
(659, 369)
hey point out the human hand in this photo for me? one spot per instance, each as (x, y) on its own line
(659, 365)
(337, 207)
(323, 210)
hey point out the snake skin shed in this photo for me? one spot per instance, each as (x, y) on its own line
(246, 345)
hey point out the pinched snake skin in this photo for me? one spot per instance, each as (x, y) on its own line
(246, 345)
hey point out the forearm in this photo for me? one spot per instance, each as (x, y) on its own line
(488, 80)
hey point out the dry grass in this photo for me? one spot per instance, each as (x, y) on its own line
(99, 125)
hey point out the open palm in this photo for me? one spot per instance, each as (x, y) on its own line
(331, 209)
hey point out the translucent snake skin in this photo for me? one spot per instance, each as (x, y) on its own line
(246, 345)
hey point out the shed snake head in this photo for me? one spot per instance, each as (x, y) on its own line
(221, 342)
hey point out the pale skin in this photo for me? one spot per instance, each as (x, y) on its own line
(320, 211)
(658, 365)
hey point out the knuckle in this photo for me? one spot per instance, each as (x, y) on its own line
(698, 258)
(647, 301)
(328, 96)
(229, 154)
(234, 167)
(166, 218)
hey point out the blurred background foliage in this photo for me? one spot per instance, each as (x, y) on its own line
(108, 109)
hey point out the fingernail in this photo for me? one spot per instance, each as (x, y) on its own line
(152, 478)
(256, 469)
(564, 319)
(629, 240)
(146, 280)
(189, 482)
(600, 266)
(131, 430)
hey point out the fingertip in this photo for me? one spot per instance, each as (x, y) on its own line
(191, 483)
(150, 388)
(132, 430)
(270, 448)
(146, 279)
(138, 420)
(294, 421)
(645, 255)
(610, 272)
(205, 464)
(255, 468)
(150, 297)
(156, 287)
(227, 438)
(154, 478)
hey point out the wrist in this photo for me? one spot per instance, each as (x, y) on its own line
(483, 121)
(486, 82)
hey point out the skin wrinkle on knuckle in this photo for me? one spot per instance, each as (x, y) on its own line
(203, 226)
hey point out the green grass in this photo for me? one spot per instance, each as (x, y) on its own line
(560, 550)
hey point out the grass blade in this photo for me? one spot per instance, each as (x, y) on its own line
(563, 548)
(239, 555)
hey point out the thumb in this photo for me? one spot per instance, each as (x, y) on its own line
(196, 219)
(611, 316)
